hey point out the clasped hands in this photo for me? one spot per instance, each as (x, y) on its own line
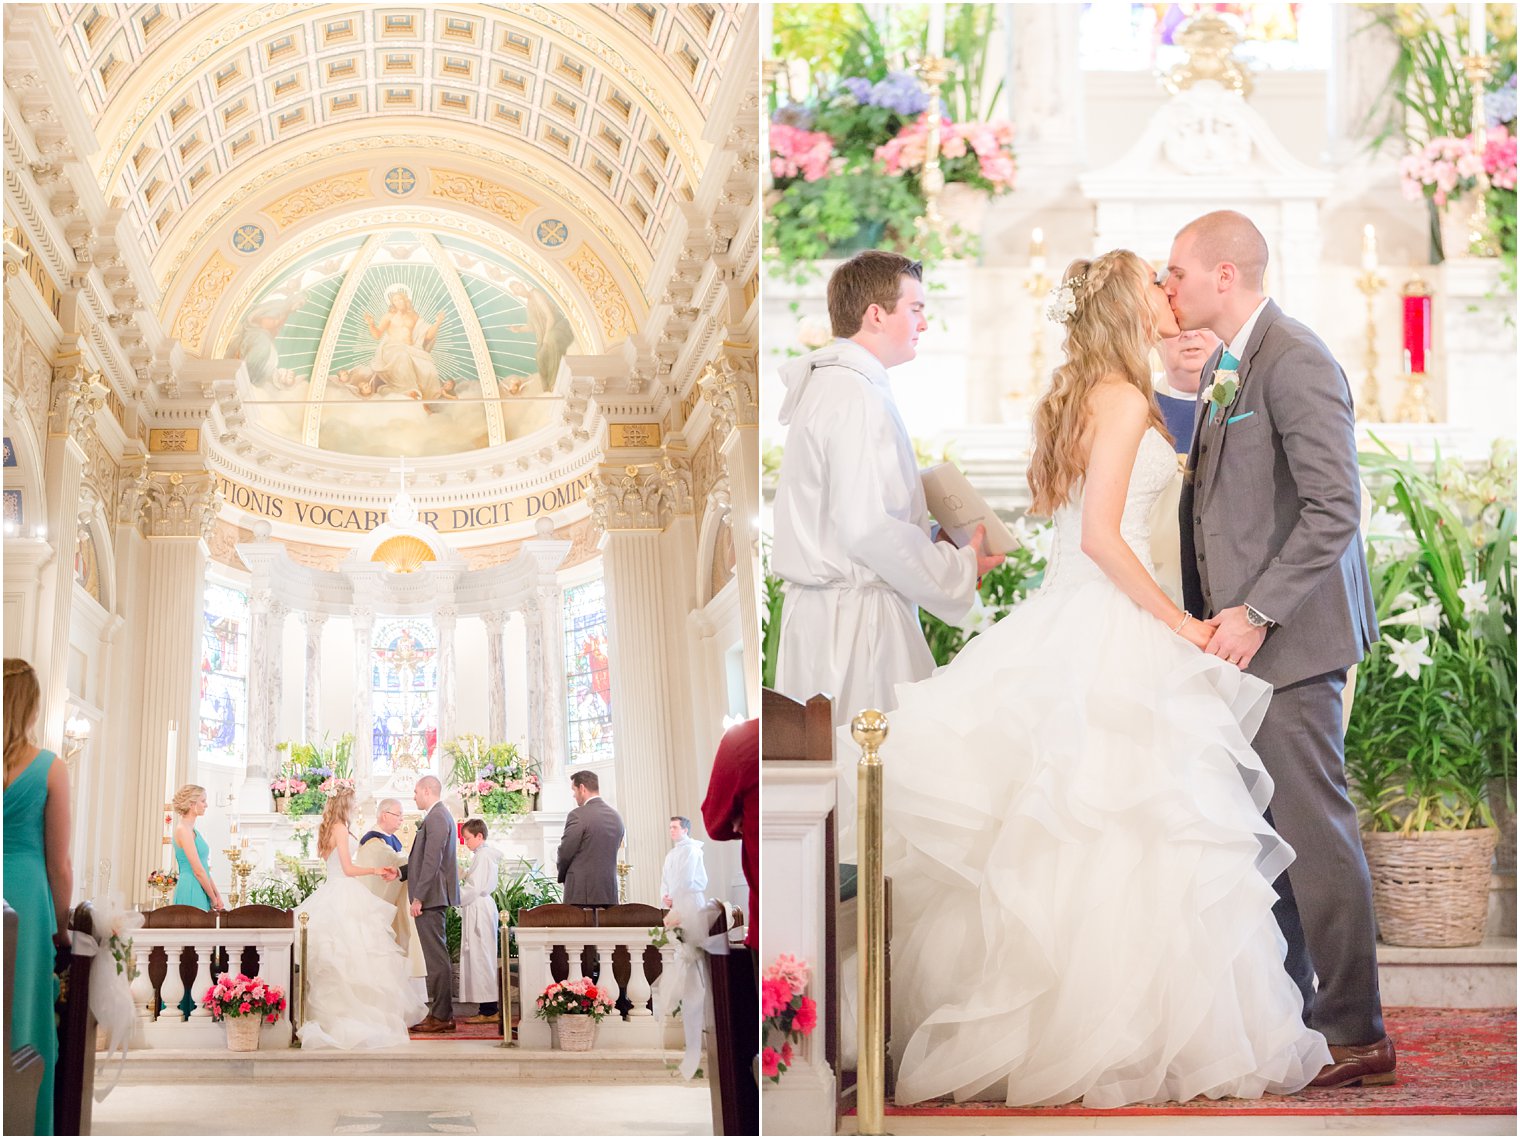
(389, 873)
(1227, 635)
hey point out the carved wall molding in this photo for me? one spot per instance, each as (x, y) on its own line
(194, 316)
(492, 197)
(606, 295)
(319, 196)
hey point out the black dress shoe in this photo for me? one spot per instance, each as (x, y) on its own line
(1364, 1065)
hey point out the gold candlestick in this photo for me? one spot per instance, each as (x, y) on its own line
(234, 855)
(934, 69)
(1037, 284)
(1370, 407)
(623, 870)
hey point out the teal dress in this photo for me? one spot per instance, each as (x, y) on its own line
(28, 892)
(187, 891)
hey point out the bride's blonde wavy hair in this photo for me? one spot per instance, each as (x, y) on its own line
(1111, 333)
(334, 818)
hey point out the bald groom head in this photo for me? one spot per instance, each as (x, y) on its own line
(1226, 236)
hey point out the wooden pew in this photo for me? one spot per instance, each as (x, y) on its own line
(735, 1039)
(74, 1077)
(23, 1066)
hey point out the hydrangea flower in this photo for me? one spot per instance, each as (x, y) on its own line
(901, 93)
(858, 88)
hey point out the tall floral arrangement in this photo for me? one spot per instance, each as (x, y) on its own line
(314, 772)
(497, 775)
(1432, 726)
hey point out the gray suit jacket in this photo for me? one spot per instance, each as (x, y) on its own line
(1271, 505)
(432, 871)
(588, 854)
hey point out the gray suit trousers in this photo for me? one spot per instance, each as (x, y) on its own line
(435, 953)
(1324, 903)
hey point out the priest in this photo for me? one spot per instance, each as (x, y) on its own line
(853, 541)
(381, 847)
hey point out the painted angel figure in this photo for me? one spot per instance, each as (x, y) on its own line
(403, 359)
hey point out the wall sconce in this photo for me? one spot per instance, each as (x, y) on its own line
(76, 733)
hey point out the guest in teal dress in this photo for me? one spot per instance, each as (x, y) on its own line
(39, 877)
(195, 887)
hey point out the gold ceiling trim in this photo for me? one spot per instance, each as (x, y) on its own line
(320, 195)
(547, 274)
(191, 320)
(558, 191)
(470, 190)
(606, 295)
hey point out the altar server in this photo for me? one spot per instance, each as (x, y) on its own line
(478, 934)
(852, 538)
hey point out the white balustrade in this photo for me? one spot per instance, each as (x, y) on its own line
(168, 1027)
(535, 947)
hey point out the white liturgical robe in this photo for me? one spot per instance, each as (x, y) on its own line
(684, 875)
(853, 539)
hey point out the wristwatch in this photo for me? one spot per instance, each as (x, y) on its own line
(1258, 620)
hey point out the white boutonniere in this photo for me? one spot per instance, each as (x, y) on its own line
(1221, 393)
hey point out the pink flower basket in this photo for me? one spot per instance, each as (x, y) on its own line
(575, 1033)
(243, 1033)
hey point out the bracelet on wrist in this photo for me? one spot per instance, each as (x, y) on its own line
(1186, 617)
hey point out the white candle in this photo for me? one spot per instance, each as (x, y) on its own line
(1037, 250)
(1478, 31)
(1369, 248)
(767, 31)
(936, 30)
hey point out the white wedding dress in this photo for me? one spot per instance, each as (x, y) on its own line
(1082, 877)
(359, 992)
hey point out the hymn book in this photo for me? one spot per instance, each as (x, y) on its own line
(959, 509)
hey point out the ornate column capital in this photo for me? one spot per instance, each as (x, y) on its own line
(730, 385)
(362, 616)
(495, 621)
(183, 506)
(445, 616)
(260, 601)
(76, 396)
(313, 620)
(640, 496)
(278, 610)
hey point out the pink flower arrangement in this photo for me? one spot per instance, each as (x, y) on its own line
(244, 996)
(484, 787)
(332, 786)
(991, 143)
(283, 787)
(788, 1014)
(1442, 169)
(795, 151)
(1499, 158)
(573, 998)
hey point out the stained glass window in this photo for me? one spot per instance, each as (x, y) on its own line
(404, 676)
(588, 679)
(1117, 35)
(224, 675)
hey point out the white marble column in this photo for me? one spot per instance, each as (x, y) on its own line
(446, 618)
(533, 648)
(263, 669)
(169, 622)
(631, 509)
(496, 676)
(364, 685)
(312, 700)
(553, 708)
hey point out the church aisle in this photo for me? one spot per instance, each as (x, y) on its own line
(381, 1107)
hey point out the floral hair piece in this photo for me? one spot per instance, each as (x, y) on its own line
(1061, 301)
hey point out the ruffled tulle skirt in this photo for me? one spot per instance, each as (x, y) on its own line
(1082, 874)
(359, 989)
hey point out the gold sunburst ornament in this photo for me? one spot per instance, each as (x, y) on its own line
(403, 553)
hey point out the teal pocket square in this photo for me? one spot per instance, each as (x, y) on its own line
(1238, 418)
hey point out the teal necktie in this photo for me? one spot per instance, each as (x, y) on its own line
(1228, 363)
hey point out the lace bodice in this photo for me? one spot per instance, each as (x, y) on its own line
(1155, 468)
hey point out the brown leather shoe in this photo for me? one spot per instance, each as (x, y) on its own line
(494, 1018)
(431, 1024)
(1368, 1065)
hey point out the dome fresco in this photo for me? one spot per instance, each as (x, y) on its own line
(403, 342)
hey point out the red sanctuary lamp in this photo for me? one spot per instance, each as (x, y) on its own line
(1415, 406)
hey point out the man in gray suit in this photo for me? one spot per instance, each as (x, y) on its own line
(432, 882)
(588, 849)
(1272, 558)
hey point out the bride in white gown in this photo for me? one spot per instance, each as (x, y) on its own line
(1082, 875)
(359, 992)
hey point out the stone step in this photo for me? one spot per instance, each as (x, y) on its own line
(418, 1060)
(1475, 976)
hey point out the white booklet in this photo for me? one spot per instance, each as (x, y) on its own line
(959, 509)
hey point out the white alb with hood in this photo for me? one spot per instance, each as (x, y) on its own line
(852, 538)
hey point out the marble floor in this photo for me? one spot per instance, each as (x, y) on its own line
(380, 1107)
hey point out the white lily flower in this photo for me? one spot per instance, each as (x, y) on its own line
(978, 618)
(1408, 657)
(1474, 595)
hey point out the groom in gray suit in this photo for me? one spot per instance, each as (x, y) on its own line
(432, 882)
(1272, 558)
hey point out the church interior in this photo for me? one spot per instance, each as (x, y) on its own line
(381, 402)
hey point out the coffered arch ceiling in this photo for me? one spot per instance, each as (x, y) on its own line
(200, 108)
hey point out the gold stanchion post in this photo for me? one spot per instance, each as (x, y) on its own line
(869, 729)
(301, 988)
(506, 982)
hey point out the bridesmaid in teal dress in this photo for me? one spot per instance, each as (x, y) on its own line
(39, 878)
(195, 887)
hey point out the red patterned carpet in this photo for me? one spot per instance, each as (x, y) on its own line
(1451, 1062)
(464, 1031)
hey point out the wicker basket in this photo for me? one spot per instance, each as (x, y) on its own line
(243, 1033)
(281, 803)
(1430, 888)
(575, 1033)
